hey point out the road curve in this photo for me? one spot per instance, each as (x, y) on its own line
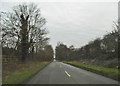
(60, 73)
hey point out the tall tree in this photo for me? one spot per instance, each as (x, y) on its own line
(23, 28)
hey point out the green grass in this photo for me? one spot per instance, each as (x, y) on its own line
(23, 74)
(108, 72)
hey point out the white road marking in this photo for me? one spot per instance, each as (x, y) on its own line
(67, 73)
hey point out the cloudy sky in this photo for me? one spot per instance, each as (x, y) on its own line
(74, 23)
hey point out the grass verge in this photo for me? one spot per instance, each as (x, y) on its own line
(22, 72)
(105, 71)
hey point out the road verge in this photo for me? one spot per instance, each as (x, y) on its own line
(105, 71)
(22, 72)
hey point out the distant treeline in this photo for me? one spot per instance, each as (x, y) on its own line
(101, 51)
(45, 54)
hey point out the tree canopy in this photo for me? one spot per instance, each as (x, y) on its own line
(23, 29)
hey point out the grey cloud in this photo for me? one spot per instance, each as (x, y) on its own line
(75, 23)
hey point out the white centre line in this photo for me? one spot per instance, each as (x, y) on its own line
(67, 73)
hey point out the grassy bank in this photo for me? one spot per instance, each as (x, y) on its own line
(16, 73)
(108, 72)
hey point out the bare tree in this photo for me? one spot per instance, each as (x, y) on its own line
(23, 28)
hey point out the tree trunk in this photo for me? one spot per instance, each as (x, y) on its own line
(24, 38)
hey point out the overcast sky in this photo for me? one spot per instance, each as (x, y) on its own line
(74, 23)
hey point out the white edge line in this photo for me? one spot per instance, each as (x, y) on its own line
(67, 73)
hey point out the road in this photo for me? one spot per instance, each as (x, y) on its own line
(60, 73)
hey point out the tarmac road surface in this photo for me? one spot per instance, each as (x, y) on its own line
(61, 73)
